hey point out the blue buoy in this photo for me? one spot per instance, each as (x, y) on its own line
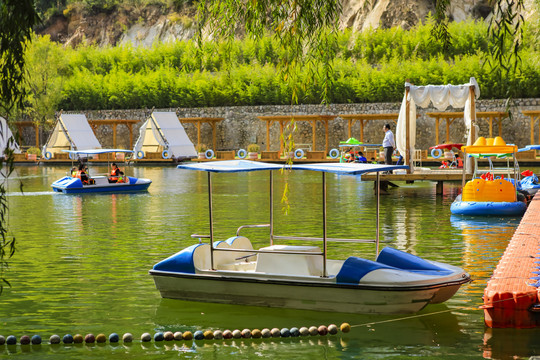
(158, 336)
(11, 340)
(36, 340)
(198, 335)
(295, 332)
(114, 338)
(285, 332)
(67, 339)
(54, 339)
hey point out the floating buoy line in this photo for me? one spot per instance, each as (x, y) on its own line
(198, 335)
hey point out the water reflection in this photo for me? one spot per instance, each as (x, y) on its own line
(82, 264)
(485, 239)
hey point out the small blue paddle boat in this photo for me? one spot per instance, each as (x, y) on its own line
(100, 183)
(301, 276)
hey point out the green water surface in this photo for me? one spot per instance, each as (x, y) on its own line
(82, 264)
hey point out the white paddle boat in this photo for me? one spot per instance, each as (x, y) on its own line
(301, 276)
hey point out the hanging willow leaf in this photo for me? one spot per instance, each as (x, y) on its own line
(17, 18)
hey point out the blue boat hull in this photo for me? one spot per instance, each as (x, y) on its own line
(488, 208)
(70, 185)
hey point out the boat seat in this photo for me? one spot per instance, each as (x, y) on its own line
(290, 264)
(229, 259)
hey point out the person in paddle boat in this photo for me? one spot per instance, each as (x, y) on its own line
(83, 175)
(116, 174)
(74, 172)
(361, 158)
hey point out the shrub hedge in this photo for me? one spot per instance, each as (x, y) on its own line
(369, 67)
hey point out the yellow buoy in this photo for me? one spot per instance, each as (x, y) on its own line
(345, 327)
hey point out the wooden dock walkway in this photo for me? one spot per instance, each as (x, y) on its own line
(512, 295)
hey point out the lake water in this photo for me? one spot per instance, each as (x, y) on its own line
(82, 264)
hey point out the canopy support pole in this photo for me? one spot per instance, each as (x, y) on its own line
(407, 131)
(211, 218)
(271, 208)
(378, 204)
(437, 131)
(473, 121)
(464, 171)
(324, 221)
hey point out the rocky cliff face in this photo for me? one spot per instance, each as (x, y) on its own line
(149, 24)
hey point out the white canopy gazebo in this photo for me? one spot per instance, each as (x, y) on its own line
(441, 96)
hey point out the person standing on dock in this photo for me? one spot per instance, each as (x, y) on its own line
(388, 144)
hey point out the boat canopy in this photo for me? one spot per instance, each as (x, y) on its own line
(529, 147)
(490, 150)
(351, 141)
(97, 151)
(246, 165)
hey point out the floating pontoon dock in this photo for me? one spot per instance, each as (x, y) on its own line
(512, 295)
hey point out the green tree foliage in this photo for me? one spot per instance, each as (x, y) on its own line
(368, 67)
(17, 18)
(44, 83)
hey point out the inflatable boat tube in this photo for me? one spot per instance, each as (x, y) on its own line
(488, 208)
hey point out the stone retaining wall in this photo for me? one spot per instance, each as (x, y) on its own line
(242, 127)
